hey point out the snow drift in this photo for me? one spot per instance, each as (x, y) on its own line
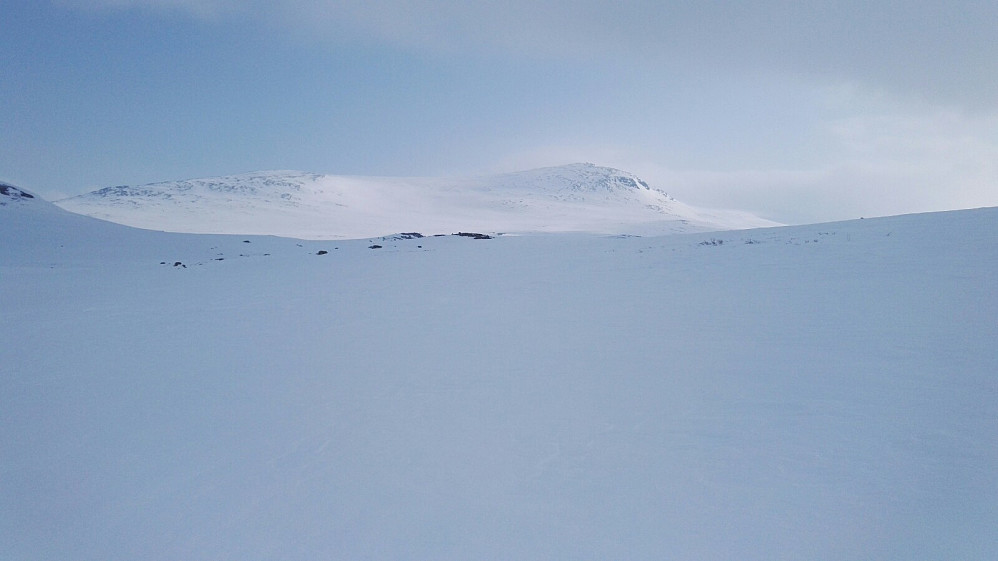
(824, 392)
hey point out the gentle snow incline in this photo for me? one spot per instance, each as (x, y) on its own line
(824, 392)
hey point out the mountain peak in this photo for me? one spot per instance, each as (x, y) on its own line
(12, 194)
(583, 177)
(244, 184)
(580, 197)
(23, 203)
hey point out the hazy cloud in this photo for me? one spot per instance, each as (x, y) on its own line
(196, 8)
(798, 111)
(944, 52)
(887, 161)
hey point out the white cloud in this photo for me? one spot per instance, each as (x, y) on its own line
(939, 51)
(882, 160)
(885, 164)
(926, 141)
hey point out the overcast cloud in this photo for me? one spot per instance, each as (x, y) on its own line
(944, 52)
(798, 111)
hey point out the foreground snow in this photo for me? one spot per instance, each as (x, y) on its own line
(821, 392)
(572, 198)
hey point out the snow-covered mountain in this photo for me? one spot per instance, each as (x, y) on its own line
(9, 194)
(822, 392)
(27, 214)
(577, 197)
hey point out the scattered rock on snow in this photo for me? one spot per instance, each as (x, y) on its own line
(403, 236)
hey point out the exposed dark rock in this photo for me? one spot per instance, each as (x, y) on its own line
(402, 236)
(375, 246)
(13, 192)
(474, 235)
(321, 252)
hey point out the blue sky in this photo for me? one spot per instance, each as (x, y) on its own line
(797, 112)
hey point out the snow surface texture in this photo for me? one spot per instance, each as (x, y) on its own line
(577, 197)
(824, 392)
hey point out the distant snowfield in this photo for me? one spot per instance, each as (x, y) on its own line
(572, 198)
(822, 392)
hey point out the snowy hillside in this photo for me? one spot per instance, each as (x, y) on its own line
(578, 197)
(9, 194)
(825, 392)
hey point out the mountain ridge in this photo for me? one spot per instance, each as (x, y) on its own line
(11, 193)
(290, 203)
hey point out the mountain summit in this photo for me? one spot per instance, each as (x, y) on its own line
(18, 204)
(575, 197)
(11, 194)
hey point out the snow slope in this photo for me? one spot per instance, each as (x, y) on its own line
(577, 197)
(825, 392)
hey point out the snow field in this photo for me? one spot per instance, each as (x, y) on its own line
(818, 392)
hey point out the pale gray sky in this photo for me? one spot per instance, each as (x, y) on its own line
(796, 111)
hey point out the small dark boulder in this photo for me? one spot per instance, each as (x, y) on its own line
(375, 246)
(321, 252)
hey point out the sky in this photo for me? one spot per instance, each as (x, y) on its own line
(798, 112)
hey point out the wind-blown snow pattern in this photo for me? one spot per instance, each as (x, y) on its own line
(821, 392)
(577, 197)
